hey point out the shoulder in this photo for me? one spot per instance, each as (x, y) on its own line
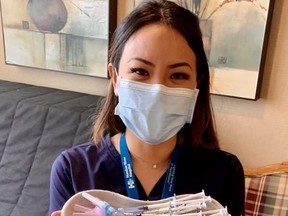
(225, 162)
(221, 158)
(74, 155)
(212, 159)
(87, 153)
(218, 154)
(81, 150)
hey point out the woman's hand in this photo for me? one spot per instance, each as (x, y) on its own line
(56, 213)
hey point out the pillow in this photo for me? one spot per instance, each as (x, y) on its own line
(267, 194)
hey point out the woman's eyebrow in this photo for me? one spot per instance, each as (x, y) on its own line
(180, 64)
(142, 60)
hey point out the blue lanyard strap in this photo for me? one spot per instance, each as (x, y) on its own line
(130, 179)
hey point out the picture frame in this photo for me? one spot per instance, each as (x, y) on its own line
(235, 35)
(70, 36)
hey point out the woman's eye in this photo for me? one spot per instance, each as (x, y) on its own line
(139, 71)
(180, 76)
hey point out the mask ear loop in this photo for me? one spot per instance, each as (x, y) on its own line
(116, 71)
(117, 74)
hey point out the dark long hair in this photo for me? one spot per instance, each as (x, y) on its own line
(201, 131)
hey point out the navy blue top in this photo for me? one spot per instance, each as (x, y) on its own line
(84, 167)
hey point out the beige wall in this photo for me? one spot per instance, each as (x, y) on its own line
(256, 131)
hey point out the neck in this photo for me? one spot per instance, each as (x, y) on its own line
(153, 155)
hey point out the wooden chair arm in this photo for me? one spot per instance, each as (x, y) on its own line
(269, 169)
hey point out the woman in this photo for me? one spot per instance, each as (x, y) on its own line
(159, 81)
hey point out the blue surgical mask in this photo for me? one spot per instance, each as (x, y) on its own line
(154, 112)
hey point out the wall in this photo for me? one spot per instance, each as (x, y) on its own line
(256, 131)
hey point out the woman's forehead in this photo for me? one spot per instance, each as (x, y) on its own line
(158, 41)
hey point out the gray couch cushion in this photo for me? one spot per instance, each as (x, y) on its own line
(36, 124)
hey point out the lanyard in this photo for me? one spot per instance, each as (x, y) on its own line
(130, 179)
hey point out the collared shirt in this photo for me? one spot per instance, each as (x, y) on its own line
(84, 167)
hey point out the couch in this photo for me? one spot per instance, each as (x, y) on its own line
(37, 123)
(267, 190)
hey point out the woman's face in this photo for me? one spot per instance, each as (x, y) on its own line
(158, 54)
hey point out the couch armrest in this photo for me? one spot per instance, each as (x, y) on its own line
(265, 170)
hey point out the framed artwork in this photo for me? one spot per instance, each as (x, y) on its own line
(235, 35)
(62, 35)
